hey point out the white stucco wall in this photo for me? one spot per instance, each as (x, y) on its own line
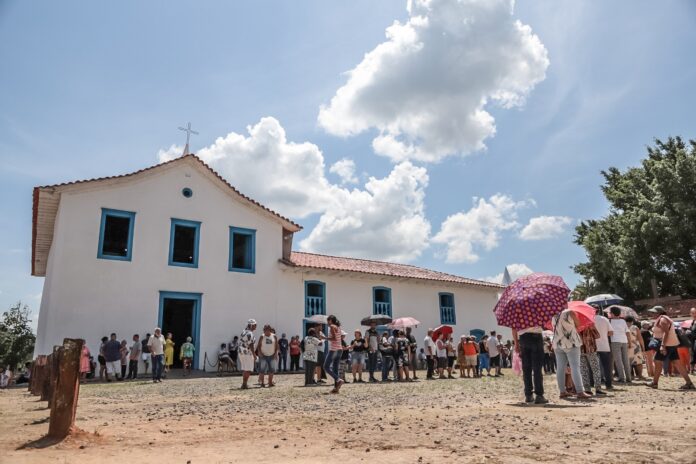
(86, 297)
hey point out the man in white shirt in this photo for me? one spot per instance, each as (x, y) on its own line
(620, 344)
(156, 345)
(494, 352)
(430, 354)
(603, 326)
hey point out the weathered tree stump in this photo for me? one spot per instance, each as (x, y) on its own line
(66, 388)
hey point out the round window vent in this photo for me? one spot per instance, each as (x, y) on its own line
(187, 192)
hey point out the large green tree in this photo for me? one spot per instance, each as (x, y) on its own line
(650, 231)
(16, 337)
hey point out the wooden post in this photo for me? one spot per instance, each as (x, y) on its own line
(53, 378)
(45, 385)
(67, 388)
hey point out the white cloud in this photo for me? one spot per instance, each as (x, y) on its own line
(464, 233)
(345, 169)
(386, 220)
(174, 151)
(515, 270)
(426, 88)
(545, 227)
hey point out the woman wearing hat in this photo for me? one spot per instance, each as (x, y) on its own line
(247, 352)
(665, 343)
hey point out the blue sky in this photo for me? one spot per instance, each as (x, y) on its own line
(96, 89)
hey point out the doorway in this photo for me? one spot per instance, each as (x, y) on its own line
(180, 314)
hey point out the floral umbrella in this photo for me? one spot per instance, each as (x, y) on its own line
(531, 301)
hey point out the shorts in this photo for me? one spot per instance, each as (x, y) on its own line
(442, 363)
(113, 367)
(470, 360)
(495, 361)
(101, 360)
(402, 360)
(672, 354)
(358, 358)
(246, 362)
(267, 365)
(146, 357)
(450, 361)
(483, 361)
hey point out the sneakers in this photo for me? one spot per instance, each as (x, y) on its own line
(529, 399)
(599, 392)
(540, 400)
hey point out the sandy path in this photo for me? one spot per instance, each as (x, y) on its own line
(208, 420)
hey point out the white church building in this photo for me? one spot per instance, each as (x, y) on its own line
(176, 246)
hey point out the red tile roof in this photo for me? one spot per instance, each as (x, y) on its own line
(336, 263)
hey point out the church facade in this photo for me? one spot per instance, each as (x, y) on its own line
(176, 246)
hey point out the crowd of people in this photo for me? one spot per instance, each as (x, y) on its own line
(586, 361)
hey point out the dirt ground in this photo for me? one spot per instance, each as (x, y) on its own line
(209, 420)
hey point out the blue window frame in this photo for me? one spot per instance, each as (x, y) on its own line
(195, 322)
(184, 237)
(447, 312)
(381, 301)
(242, 250)
(315, 298)
(116, 235)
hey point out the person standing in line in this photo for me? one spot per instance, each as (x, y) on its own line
(529, 345)
(646, 335)
(310, 356)
(358, 347)
(372, 339)
(441, 347)
(412, 348)
(156, 346)
(102, 359)
(494, 353)
(233, 348)
(430, 354)
(85, 367)
(461, 357)
(484, 356)
(451, 354)
(386, 350)
(145, 349)
(168, 353)
(112, 354)
(589, 361)
(247, 352)
(124, 358)
(665, 342)
(295, 352)
(333, 358)
(620, 345)
(186, 355)
(606, 360)
(636, 354)
(471, 357)
(283, 345)
(134, 357)
(566, 346)
(267, 350)
(692, 337)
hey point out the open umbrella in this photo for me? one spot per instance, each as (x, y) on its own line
(403, 323)
(531, 301)
(686, 325)
(603, 300)
(625, 311)
(317, 319)
(585, 312)
(379, 319)
(442, 329)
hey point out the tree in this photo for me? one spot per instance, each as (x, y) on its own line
(16, 337)
(650, 232)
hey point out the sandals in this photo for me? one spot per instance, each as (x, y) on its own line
(688, 386)
(652, 385)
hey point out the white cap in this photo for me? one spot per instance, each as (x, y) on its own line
(251, 322)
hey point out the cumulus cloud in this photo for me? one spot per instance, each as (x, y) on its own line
(464, 233)
(515, 270)
(385, 220)
(345, 169)
(545, 227)
(174, 151)
(426, 88)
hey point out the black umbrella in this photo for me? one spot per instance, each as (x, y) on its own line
(379, 319)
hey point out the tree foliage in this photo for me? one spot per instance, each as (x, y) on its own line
(16, 337)
(650, 232)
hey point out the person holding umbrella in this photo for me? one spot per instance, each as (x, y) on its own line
(412, 348)
(372, 340)
(567, 344)
(529, 345)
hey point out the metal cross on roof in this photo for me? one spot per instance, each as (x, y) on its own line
(188, 131)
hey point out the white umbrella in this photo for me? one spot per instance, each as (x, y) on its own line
(318, 319)
(605, 299)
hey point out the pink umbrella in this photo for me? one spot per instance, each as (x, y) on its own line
(585, 314)
(403, 323)
(687, 324)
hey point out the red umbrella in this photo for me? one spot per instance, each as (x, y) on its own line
(443, 329)
(531, 301)
(584, 312)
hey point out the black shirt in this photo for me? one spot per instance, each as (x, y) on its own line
(360, 346)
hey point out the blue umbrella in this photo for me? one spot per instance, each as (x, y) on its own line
(605, 299)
